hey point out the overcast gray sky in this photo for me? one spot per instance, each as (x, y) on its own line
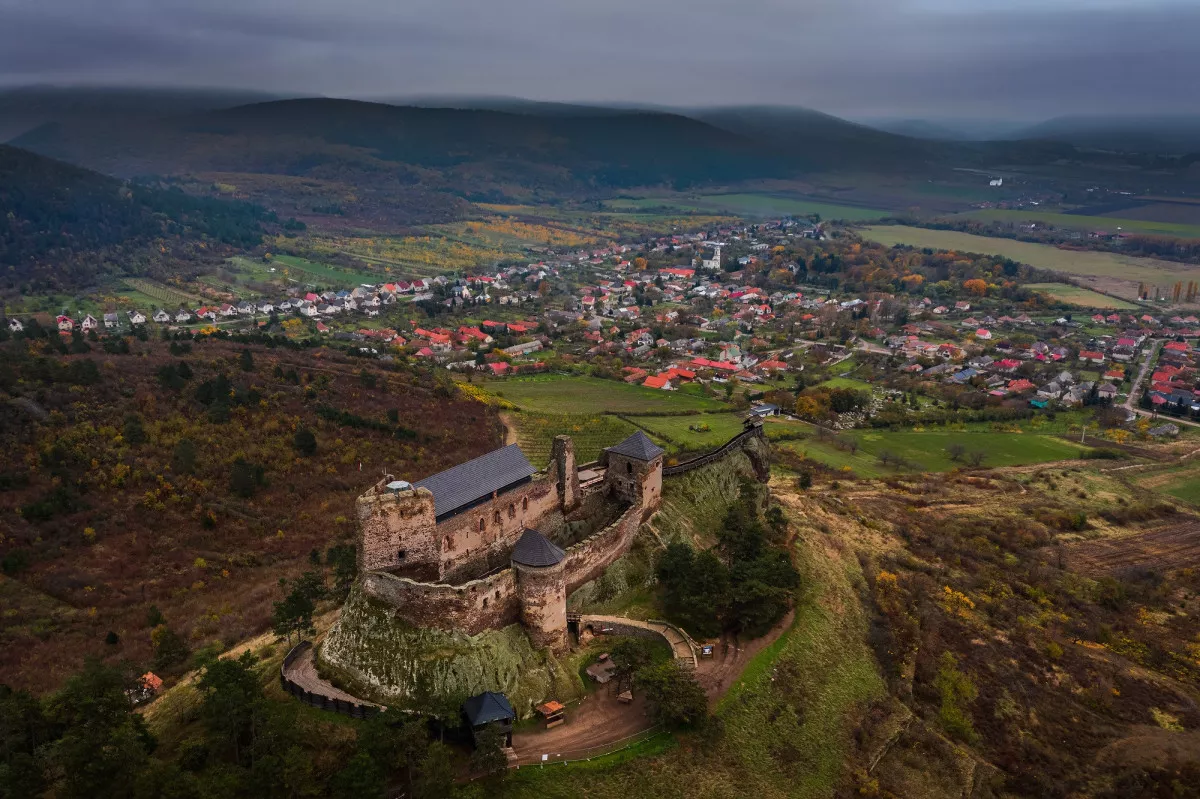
(992, 58)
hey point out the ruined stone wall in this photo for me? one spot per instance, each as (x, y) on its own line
(635, 481)
(395, 530)
(462, 544)
(588, 559)
(486, 604)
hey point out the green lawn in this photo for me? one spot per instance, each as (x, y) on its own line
(1082, 222)
(687, 432)
(589, 395)
(846, 382)
(1181, 481)
(1043, 256)
(1085, 298)
(926, 450)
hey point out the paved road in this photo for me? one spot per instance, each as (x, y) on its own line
(1135, 392)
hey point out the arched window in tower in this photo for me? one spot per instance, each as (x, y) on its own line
(628, 468)
(497, 518)
(525, 503)
(512, 511)
(482, 524)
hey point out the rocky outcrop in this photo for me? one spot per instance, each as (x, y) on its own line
(374, 655)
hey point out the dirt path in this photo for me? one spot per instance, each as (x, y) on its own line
(510, 429)
(729, 660)
(597, 721)
(600, 720)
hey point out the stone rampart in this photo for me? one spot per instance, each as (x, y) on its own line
(485, 604)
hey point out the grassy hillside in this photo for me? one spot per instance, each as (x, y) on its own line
(121, 487)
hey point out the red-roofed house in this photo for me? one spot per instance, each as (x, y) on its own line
(1091, 356)
(657, 381)
(1017, 386)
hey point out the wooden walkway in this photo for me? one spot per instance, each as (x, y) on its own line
(682, 646)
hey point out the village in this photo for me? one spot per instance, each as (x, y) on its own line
(722, 309)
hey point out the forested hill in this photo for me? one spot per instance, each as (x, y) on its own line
(61, 226)
(446, 148)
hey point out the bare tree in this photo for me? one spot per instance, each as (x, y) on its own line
(956, 451)
(976, 458)
(852, 445)
(885, 457)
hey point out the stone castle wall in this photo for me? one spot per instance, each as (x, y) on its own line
(588, 559)
(485, 604)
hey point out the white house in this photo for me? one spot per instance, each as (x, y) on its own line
(111, 320)
(15, 326)
(161, 316)
(89, 323)
(137, 318)
(183, 317)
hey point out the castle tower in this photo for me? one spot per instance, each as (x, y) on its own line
(396, 528)
(634, 471)
(542, 590)
(568, 473)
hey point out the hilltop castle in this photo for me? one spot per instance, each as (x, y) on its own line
(491, 541)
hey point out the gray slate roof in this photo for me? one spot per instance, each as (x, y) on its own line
(638, 446)
(487, 707)
(534, 549)
(467, 482)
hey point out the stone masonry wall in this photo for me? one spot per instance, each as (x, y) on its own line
(390, 523)
(543, 605)
(486, 604)
(588, 559)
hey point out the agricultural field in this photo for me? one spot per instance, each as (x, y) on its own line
(161, 293)
(510, 232)
(397, 257)
(926, 450)
(301, 270)
(750, 205)
(1181, 482)
(563, 394)
(1084, 298)
(1120, 273)
(1088, 223)
(535, 432)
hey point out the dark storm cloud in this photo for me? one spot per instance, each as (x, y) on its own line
(950, 57)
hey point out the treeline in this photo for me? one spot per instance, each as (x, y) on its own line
(86, 741)
(62, 224)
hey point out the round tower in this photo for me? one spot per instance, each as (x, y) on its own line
(542, 590)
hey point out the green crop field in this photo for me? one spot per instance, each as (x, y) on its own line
(1085, 298)
(1043, 256)
(302, 270)
(926, 450)
(565, 394)
(1082, 222)
(757, 205)
(591, 433)
(846, 382)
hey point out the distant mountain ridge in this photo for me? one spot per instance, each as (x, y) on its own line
(1157, 135)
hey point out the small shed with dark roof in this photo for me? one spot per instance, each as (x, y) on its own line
(534, 549)
(467, 484)
(490, 708)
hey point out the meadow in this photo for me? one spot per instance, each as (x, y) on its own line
(751, 205)
(926, 450)
(1084, 298)
(1088, 223)
(564, 394)
(1181, 482)
(1043, 256)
